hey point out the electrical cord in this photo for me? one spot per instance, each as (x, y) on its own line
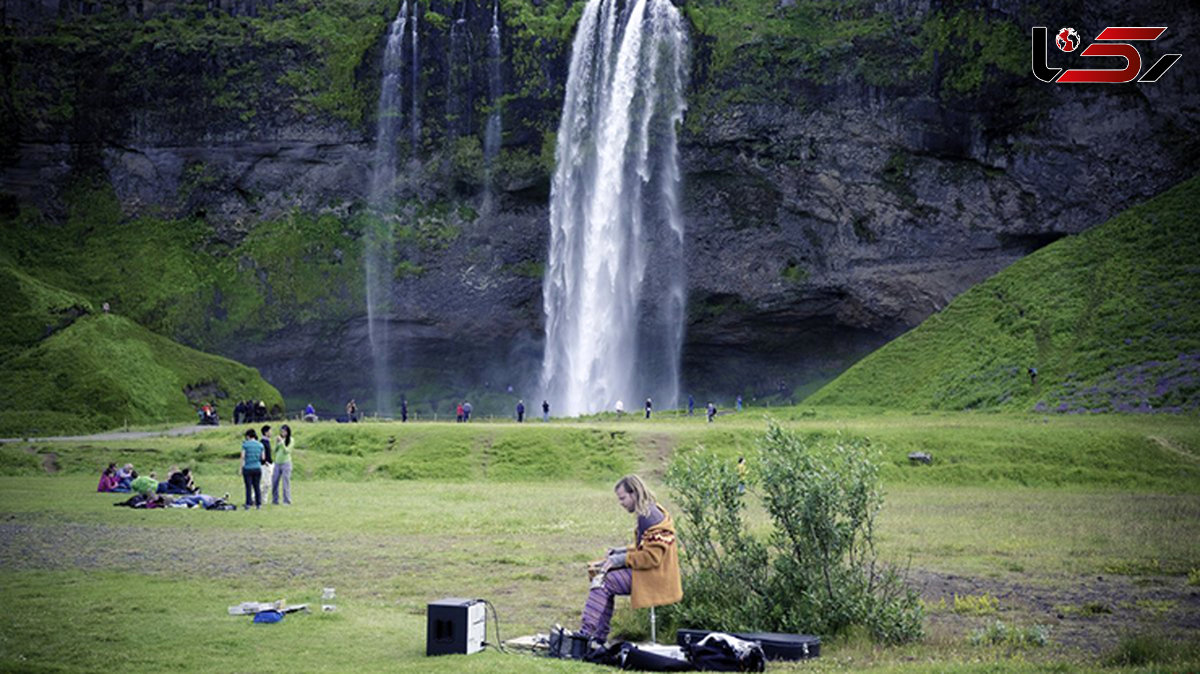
(496, 621)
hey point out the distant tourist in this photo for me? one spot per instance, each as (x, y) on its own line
(458, 413)
(466, 410)
(545, 410)
(739, 403)
(260, 411)
(404, 410)
(352, 411)
(252, 452)
(1032, 375)
(520, 411)
(620, 409)
(239, 410)
(712, 411)
(691, 405)
(649, 405)
(741, 469)
(310, 413)
(283, 467)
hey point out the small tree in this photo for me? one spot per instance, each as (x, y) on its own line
(817, 570)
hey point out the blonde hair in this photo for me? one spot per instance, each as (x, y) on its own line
(643, 498)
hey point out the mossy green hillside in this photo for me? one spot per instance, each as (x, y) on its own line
(1108, 318)
(181, 279)
(65, 368)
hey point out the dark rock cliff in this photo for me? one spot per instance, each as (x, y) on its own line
(847, 171)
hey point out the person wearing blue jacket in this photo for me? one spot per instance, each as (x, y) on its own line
(252, 456)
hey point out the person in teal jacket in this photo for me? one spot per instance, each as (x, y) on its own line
(252, 455)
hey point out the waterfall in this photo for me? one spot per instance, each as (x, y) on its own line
(614, 323)
(458, 77)
(378, 239)
(416, 78)
(491, 138)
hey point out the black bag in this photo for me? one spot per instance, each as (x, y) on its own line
(625, 655)
(720, 652)
(569, 645)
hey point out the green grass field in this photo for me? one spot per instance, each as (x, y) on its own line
(396, 516)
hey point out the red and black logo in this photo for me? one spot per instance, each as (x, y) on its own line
(1112, 41)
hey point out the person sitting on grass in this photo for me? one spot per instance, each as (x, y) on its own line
(108, 479)
(125, 476)
(648, 570)
(178, 482)
(145, 484)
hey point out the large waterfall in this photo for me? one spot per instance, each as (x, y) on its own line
(378, 240)
(614, 287)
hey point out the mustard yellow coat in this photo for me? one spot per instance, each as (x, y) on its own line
(655, 564)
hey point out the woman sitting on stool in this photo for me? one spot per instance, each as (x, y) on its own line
(648, 570)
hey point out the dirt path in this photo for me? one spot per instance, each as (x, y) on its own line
(117, 435)
(1173, 448)
(1083, 613)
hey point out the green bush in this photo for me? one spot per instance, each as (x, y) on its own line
(1000, 634)
(817, 571)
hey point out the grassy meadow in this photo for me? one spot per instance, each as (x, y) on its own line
(1087, 527)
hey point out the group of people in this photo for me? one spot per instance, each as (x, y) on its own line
(250, 411)
(126, 480)
(463, 412)
(260, 466)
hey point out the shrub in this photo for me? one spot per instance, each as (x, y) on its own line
(970, 604)
(1000, 634)
(817, 571)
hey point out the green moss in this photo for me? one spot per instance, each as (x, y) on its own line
(794, 273)
(969, 47)
(527, 269)
(1108, 318)
(408, 269)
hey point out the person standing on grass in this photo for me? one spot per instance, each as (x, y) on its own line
(712, 411)
(649, 405)
(648, 570)
(520, 411)
(545, 410)
(268, 461)
(252, 453)
(403, 410)
(283, 466)
(466, 410)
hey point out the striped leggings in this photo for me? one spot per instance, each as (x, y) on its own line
(597, 612)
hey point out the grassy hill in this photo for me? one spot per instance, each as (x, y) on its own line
(1109, 318)
(65, 368)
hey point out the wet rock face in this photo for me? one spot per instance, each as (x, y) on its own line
(819, 223)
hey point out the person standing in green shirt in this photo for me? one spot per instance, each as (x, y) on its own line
(283, 466)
